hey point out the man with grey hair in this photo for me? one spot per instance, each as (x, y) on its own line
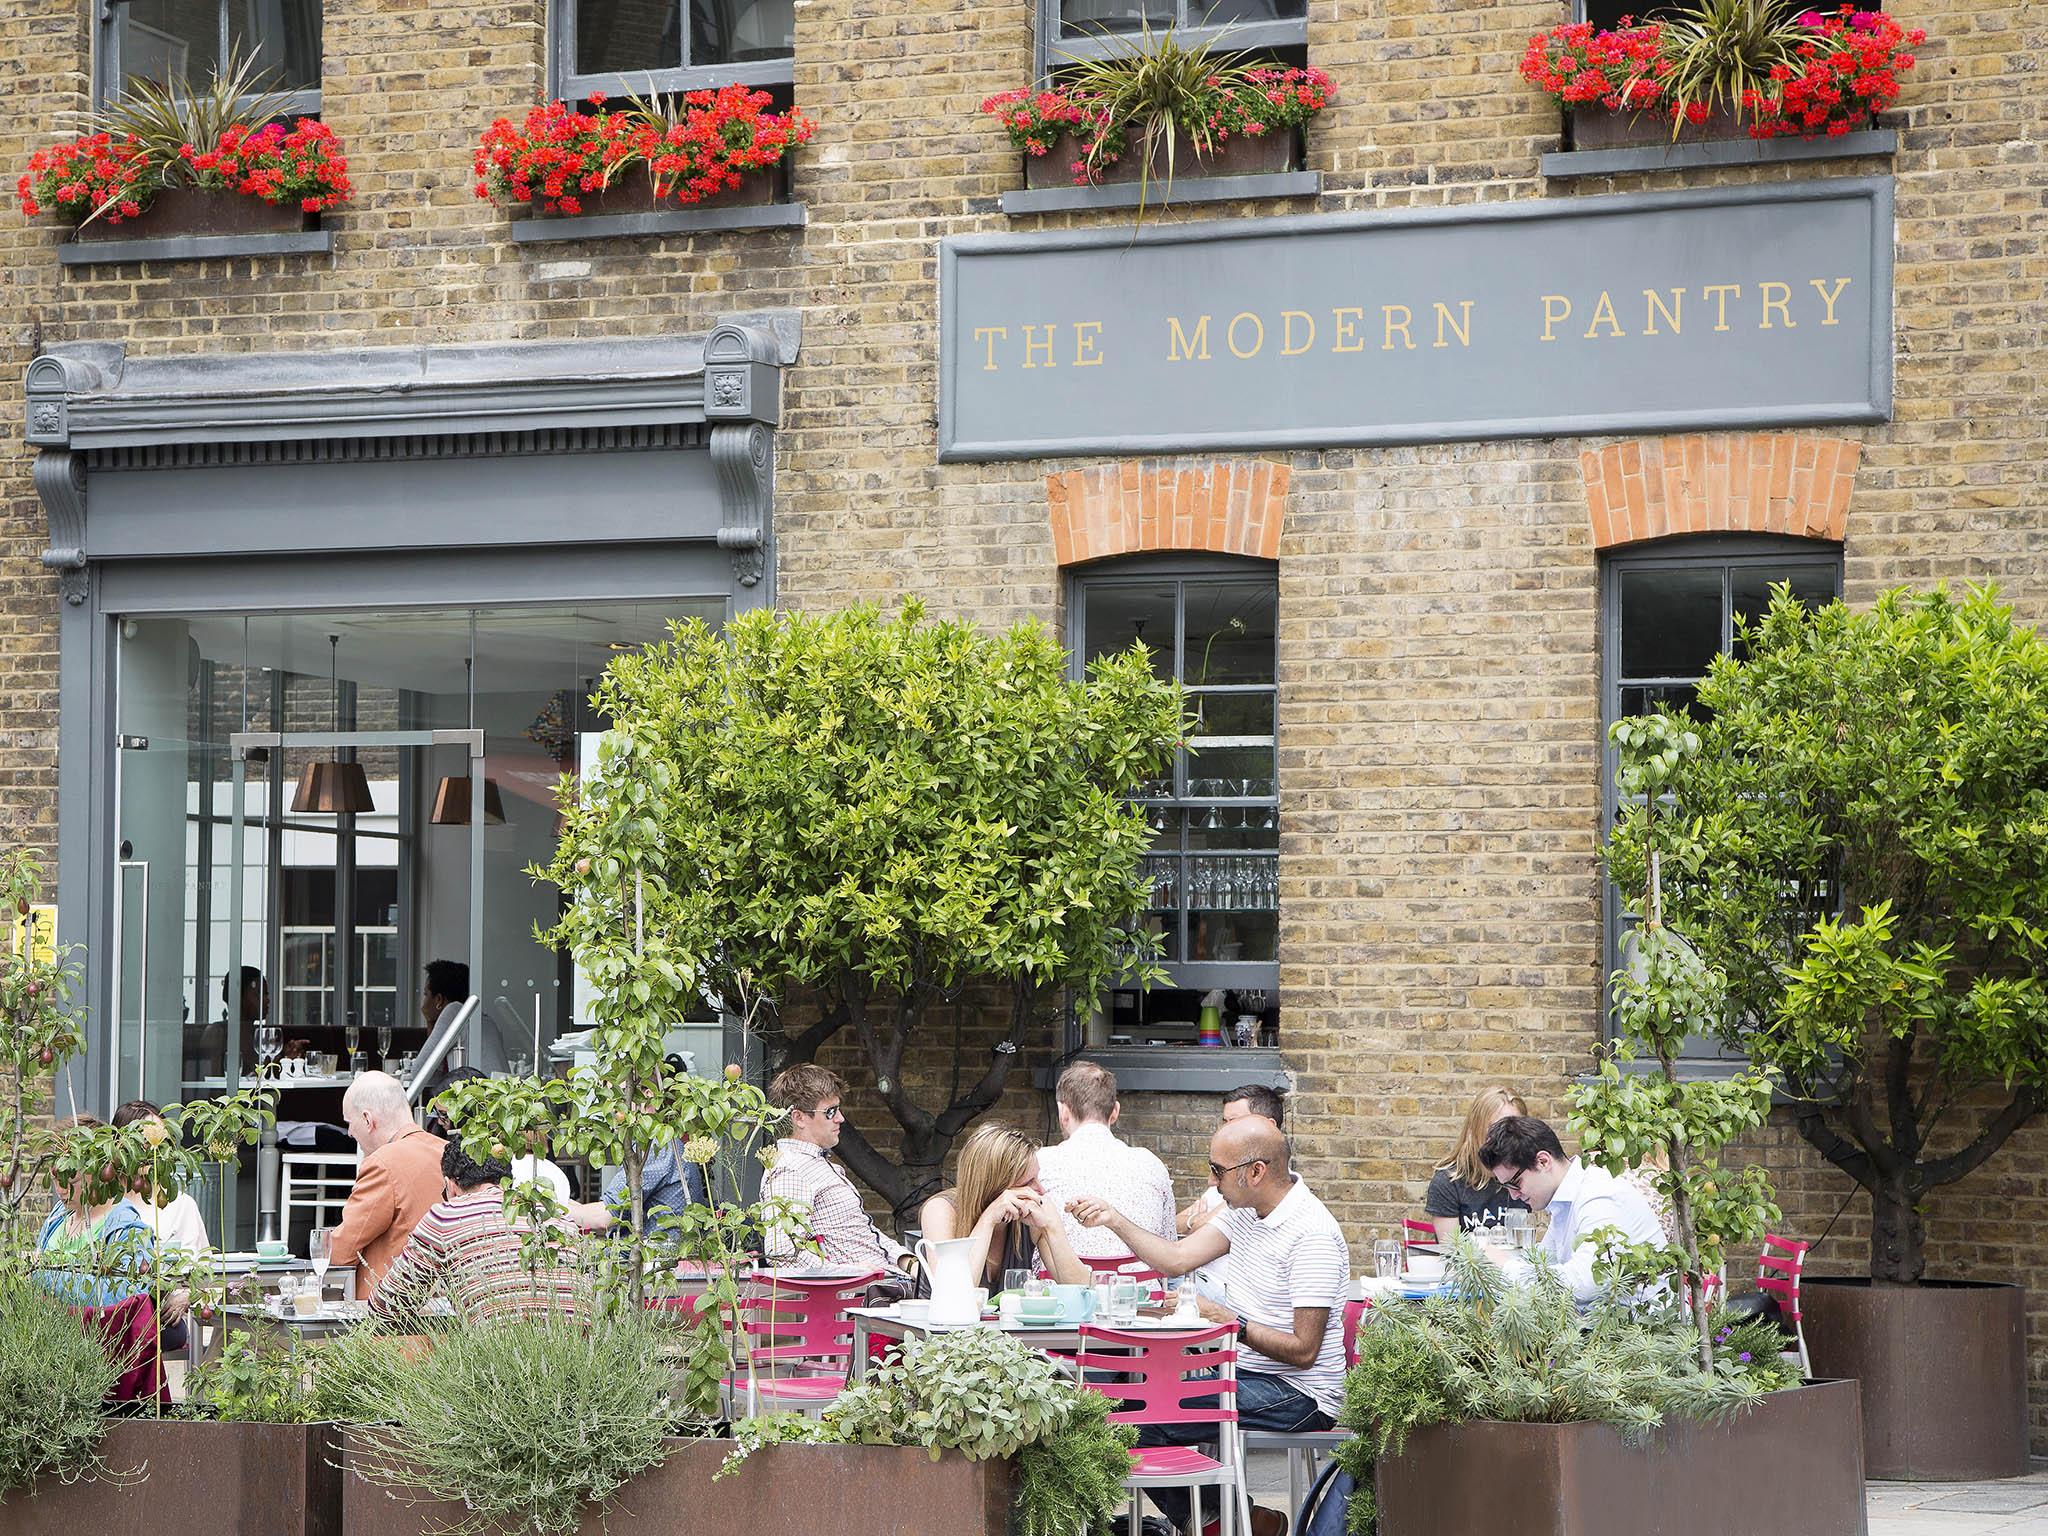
(398, 1183)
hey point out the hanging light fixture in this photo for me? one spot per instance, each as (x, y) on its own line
(453, 795)
(334, 786)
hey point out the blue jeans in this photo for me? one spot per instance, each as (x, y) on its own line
(1263, 1402)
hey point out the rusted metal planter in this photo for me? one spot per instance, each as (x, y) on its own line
(852, 1490)
(1267, 154)
(178, 211)
(1944, 1371)
(190, 1477)
(1794, 1462)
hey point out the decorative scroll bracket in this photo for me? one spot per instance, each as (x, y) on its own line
(743, 455)
(60, 482)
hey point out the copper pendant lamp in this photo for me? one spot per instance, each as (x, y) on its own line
(334, 786)
(453, 795)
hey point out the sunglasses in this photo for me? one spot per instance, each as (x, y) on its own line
(829, 1112)
(1217, 1170)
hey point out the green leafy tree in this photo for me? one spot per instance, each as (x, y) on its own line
(1862, 851)
(855, 822)
(1626, 1118)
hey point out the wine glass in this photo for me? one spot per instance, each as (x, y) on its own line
(352, 1032)
(269, 1045)
(384, 1046)
(316, 1250)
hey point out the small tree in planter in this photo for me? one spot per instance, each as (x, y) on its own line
(1623, 1118)
(1863, 854)
(858, 821)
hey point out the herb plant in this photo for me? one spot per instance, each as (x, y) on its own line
(248, 1385)
(55, 1378)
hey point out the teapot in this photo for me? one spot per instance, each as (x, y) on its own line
(949, 1269)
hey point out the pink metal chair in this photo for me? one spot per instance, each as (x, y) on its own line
(1157, 1379)
(1418, 1234)
(1778, 1269)
(799, 1322)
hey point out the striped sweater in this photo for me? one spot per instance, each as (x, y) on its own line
(468, 1251)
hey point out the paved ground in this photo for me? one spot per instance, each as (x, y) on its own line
(2016, 1507)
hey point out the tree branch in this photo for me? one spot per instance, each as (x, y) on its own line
(873, 1169)
(1946, 1170)
(1853, 1160)
(990, 1088)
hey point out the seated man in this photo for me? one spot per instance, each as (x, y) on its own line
(398, 1183)
(1526, 1158)
(669, 1182)
(1290, 1275)
(805, 1175)
(466, 1249)
(1092, 1161)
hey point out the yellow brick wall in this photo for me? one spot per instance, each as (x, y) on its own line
(1439, 605)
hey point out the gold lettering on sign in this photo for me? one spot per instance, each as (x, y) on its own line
(1287, 319)
(991, 332)
(1828, 296)
(1348, 339)
(1179, 348)
(1719, 292)
(1782, 304)
(1461, 328)
(1556, 310)
(1087, 333)
(1258, 327)
(1603, 314)
(1389, 311)
(1032, 343)
(1656, 307)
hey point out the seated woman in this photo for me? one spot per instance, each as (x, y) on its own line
(489, 1267)
(996, 1200)
(1462, 1194)
(177, 1222)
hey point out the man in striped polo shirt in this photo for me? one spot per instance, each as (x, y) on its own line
(1290, 1274)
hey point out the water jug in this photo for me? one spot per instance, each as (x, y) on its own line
(949, 1267)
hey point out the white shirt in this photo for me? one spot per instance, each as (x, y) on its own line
(1588, 1199)
(1130, 1180)
(1294, 1257)
(540, 1170)
(177, 1225)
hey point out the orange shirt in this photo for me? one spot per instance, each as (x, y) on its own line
(396, 1186)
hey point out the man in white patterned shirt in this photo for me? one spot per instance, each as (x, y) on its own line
(1092, 1161)
(805, 1175)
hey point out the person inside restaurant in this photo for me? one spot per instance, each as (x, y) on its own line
(1526, 1158)
(467, 1249)
(207, 1044)
(1290, 1275)
(1092, 1160)
(398, 1183)
(999, 1202)
(804, 1174)
(1463, 1196)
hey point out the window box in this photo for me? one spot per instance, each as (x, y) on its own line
(1240, 155)
(203, 212)
(635, 194)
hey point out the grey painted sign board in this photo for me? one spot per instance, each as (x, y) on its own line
(1747, 306)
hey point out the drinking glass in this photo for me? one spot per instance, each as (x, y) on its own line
(1521, 1229)
(316, 1250)
(1123, 1303)
(1014, 1280)
(1386, 1258)
(384, 1045)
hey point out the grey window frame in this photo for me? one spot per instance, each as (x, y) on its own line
(1731, 552)
(1257, 37)
(569, 85)
(1150, 570)
(108, 72)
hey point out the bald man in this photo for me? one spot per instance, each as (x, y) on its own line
(1290, 1275)
(398, 1183)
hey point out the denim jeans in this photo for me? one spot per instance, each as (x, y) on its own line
(1263, 1402)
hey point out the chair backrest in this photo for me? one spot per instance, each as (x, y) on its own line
(802, 1317)
(1130, 1267)
(1778, 1269)
(1152, 1374)
(1418, 1234)
(1354, 1314)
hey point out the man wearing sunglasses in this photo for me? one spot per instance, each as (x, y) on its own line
(805, 1175)
(1290, 1274)
(1527, 1160)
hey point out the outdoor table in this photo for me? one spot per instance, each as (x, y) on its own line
(883, 1323)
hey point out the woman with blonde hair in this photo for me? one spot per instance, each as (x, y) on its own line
(1462, 1194)
(996, 1200)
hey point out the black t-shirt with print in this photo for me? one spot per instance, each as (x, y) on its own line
(1451, 1196)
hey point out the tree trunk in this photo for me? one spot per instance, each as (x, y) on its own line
(1898, 1241)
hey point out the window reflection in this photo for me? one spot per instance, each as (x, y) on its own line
(619, 36)
(741, 31)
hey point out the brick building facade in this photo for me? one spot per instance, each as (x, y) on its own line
(1440, 607)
